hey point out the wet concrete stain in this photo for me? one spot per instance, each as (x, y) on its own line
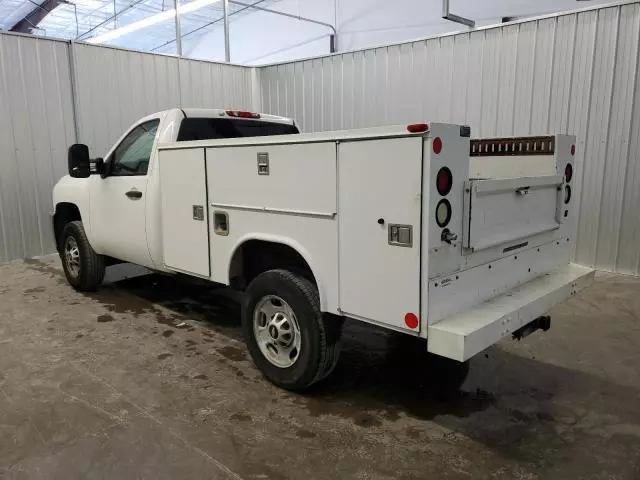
(240, 417)
(234, 354)
(366, 420)
(304, 433)
(167, 333)
(42, 267)
(202, 302)
(202, 376)
(35, 290)
(164, 356)
(105, 318)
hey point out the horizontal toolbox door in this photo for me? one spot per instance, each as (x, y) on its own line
(502, 211)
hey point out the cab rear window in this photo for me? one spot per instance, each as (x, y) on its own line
(214, 128)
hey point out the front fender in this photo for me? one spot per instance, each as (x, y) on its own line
(74, 191)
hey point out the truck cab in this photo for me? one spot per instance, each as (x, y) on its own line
(117, 198)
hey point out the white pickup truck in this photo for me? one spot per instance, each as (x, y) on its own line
(414, 228)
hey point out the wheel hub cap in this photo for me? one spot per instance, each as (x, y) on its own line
(72, 256)
(276, 331)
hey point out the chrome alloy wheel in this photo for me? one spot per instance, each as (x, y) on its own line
(276, 331)
(72, 256)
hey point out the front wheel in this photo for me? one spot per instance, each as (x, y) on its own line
(289, 339)
(83, 267)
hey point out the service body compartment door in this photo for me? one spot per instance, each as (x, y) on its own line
(379, 224)
(506, 210)
(184, 210)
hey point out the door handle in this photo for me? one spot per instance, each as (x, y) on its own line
(134, 194)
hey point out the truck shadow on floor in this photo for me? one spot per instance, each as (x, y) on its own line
(508, 402)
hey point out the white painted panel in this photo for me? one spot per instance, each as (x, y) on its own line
(481, 282)
(378, 281)
(185, 239)
(505, 210)
(301, 178)
(466, 334)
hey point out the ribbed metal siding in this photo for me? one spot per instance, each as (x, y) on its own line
(573, 73)
(116, 87)
(214, 85)
(113, 88)
(36, 126)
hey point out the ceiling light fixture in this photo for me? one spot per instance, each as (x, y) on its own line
(149, 21)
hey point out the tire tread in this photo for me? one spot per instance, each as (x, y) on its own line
(92, 266)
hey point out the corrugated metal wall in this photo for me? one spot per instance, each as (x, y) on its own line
(116, 87)
(40, 111)
(36, 127)
(575, 73)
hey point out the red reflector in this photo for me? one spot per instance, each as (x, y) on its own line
(568, 172)
(242, 114)
(444, 181)
(418, 127)
(411, 320)
(437, 145)
(573, 149)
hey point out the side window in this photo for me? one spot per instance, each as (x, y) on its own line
(131, 157)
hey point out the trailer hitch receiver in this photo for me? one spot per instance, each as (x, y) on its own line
(541, 323)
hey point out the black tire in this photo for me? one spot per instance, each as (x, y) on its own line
(319, 336)
(91, 265)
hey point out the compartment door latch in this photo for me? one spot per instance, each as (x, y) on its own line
(400, 235)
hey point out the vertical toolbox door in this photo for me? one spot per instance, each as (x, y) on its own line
(183, 193)
(379, 225)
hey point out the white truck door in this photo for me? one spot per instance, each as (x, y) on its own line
(379, 224)
(118, 201)
(184, 210)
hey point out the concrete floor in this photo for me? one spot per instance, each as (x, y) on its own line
(112, 385)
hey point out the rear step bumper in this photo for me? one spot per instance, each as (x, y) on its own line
(463, 335)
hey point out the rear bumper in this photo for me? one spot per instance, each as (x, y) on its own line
(463, 335)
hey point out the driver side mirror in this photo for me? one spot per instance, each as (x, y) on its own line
(78, 161)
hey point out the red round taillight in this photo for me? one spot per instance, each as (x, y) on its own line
(411, 320)
(444, 181)
(443, 213)
(573, 149)
(568, 172)
(437, 145)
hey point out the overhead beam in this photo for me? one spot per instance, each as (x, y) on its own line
(447, 15)
(333, 38)
(35, 16)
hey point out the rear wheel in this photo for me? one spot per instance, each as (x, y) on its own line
(83, 267)
(289, 339)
